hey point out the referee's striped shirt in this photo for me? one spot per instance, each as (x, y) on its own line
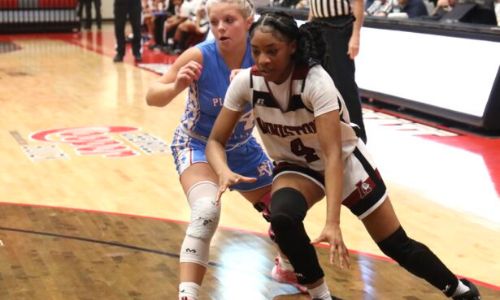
(330, 8)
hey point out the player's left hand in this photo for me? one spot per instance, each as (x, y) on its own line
(339, 254)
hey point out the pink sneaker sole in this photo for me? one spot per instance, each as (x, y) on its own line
(287, 277)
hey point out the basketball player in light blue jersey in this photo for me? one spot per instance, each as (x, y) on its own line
(205, 69)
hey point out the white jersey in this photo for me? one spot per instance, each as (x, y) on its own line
(285, 113)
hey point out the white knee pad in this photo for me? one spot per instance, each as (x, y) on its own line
(205, 214)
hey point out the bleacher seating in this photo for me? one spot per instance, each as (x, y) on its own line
(18, 16)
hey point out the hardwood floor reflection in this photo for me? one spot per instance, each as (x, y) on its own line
(54, 253)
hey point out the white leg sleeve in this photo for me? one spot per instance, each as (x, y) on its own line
(205, 214)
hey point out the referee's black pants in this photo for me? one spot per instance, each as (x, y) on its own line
(123, 10)
(336, 33)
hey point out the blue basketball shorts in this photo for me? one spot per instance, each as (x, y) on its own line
(247, 159)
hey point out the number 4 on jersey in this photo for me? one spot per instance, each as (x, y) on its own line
(299, 149)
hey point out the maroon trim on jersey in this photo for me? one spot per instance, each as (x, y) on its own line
(264, 99)
(363, 188)
(367, 192)
(295, 101)
(300, 72)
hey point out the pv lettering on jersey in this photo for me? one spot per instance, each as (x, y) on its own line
(217, 101)
(285, 130)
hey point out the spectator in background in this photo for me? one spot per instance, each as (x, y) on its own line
(160, 16)
(171, 24)
(193, 30)
(379, 8)
(412, 8)
(149, 9)
(443, 7)
(476, 13)
(86, 5)
(98, 15)
(131, 10)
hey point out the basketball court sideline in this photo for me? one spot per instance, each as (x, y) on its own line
(91, 206)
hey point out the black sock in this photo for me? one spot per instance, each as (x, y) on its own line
(419, 260)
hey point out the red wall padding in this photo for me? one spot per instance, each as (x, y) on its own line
(56, 3)
(41, 3)
(9, 3)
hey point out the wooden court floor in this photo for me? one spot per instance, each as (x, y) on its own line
(91, 207)
(54, 253)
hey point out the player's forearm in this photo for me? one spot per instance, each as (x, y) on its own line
(160, 94)
(333, 188)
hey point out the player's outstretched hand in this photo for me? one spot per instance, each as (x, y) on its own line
(339, 254)
(230, 178)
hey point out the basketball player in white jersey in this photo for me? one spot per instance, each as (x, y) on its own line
(304, 125)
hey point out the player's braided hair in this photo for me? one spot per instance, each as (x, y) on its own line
(310, 44)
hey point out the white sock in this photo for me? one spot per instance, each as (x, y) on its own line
(285, 264)
(320, 292)
(461, 289)
(189, 290)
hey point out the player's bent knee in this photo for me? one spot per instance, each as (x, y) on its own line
(288, 209)
(205, 214)
(205, 210)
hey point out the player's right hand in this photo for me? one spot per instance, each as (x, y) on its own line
(187, 74)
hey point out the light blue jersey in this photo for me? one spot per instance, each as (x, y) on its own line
(206, 96)
(205, 100)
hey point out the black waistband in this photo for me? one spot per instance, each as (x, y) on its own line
(337, 21)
